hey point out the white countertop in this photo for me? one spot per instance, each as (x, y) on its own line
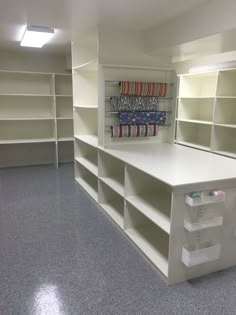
(174, 164)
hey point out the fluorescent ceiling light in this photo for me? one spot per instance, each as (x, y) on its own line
(36, 36)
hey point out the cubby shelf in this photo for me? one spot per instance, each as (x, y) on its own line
(88, 186)
(216, 112)
(88, 164)
(115, 184)
(111, 210)
(145, 204)
(36, 105)
(89, 139)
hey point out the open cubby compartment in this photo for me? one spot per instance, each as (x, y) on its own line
(200, 198)
(85, 88)
(26, 83)
(111, 171)
(85, 122)
(196, 109)
(203, 217)
(198, 85)
(150, 196)
(194, 134)
(63, 84)
(27, 154)
(26, 106)
(111, 202)
(65, 151)
(226, 83)
(87, 156)
(197, 254)
(64, 128)
(64, 106)
(224, 141)
(87, 180)
(225, 111)
(148, 237)
(21, 130)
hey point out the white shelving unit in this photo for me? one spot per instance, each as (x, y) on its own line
(33, 107)
(206, 117)
(142, 183)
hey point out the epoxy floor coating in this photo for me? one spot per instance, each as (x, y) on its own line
(61, 255)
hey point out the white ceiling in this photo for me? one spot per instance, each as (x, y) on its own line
(73, 17)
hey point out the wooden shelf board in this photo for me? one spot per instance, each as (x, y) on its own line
(64, 139)
(226, 97)
(225, 125)
(195, 97)
(90, 166)
(36, 95)
(64, 95)
(113, 213)
(25, 118)
(194, 145)
(114, 184)
(195, 121)
(88, 188)
(147, 209)
(86, 106)
(157, 258)
(89, 139)
(64, 118)
(15, 141)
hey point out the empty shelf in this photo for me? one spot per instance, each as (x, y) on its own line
(26, 118)
(64, 118)
(91, 140)
(88, 188)
(154, 214)
(114, 184)
(226, 125)
(92, 167)
(144, 238)
(114, 212)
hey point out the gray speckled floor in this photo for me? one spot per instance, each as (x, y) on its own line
(61, 255)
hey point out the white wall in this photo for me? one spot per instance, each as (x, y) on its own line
(126, 48)
(211, 17)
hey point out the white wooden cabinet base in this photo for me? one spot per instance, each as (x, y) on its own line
(145, 195)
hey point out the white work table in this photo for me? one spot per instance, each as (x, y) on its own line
(176, 165)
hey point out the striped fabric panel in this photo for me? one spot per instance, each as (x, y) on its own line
(120, 131)
(143, 88)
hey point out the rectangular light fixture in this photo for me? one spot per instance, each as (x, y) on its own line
(35, 36)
